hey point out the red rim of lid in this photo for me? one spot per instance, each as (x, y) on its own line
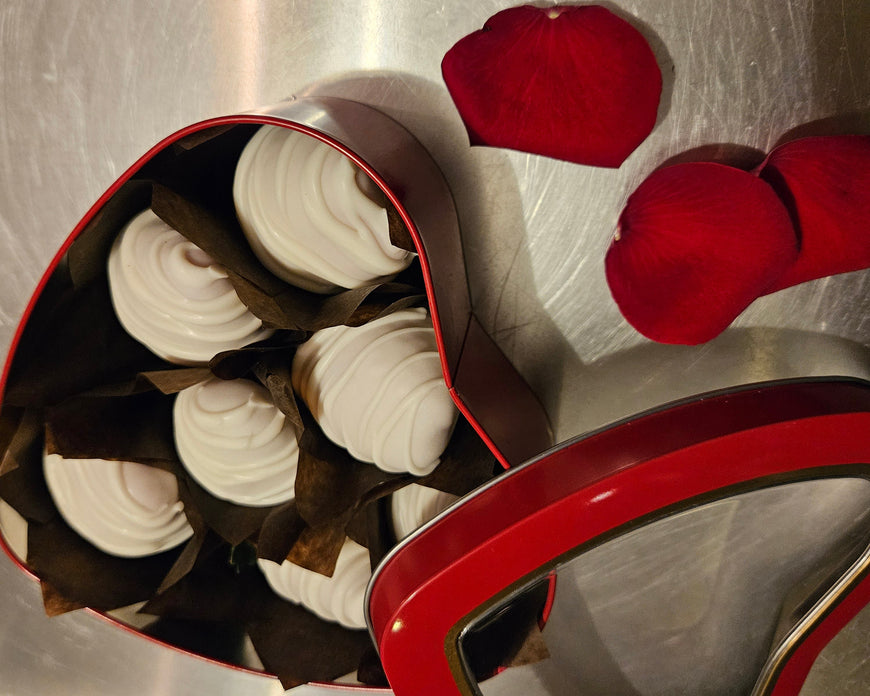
(600, 485)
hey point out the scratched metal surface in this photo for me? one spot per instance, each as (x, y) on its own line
(88, 86)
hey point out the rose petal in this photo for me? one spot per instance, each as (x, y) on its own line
(572, 82)
(697, 243)
(825, 184)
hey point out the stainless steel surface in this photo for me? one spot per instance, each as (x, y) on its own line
(88, 86)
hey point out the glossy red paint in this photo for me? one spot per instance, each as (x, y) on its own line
(592, 487)
(793, 675)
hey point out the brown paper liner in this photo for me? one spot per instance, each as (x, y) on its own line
(215, 232)
(233, 523)
(280, 532)
(88, 254)
(203, 541)
(329, 481)
(219, 640)
(202, 165)
(533, 650)
(135, 428)
(317, 549)
(54, 602)
(88, 577)
(333, 492)
(214, 589)
(81, 347)
(371, 670)
(189, 142)
(173, 381)
(22, 484)
(207, 610)
(399, 235)
(298, 647)
(275, 376)
(233, 364)
(292, 643)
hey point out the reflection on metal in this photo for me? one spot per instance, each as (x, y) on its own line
(690, 603)
(786, 647)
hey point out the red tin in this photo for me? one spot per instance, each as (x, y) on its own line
(587, 491)
(489, 392)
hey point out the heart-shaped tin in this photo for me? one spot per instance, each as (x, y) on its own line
(61, 350)
(670, 538)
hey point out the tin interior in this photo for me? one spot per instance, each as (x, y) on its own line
(88, 89)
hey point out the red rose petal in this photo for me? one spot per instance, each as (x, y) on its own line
(571, 82)
(825, 184)
(697, 243)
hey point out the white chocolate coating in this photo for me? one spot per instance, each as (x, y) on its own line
(172, 297)
(340, 598)
(301, 206)
(414, 505)
(235, 442)
(123, 508)
(377, 390)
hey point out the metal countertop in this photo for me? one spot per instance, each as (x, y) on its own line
(87, 86)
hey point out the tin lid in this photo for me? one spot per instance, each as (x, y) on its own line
(718, 541)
